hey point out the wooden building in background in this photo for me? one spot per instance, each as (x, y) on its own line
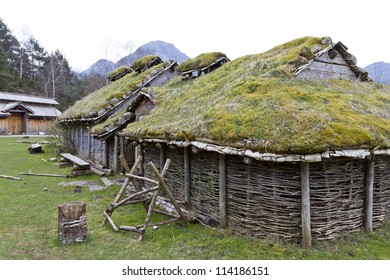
(26, 114)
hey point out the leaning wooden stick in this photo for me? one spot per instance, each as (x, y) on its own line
(168, 192)
(124, 186)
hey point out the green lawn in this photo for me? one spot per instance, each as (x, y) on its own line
(28, 224)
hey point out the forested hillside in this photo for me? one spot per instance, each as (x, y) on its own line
(26, 67)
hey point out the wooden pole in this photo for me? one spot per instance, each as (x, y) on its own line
(124, 186)
(222, 191)
(10, 177)
(305, 194)
(369, 195)
(162, 155)
(168, 192)
(187, 177)
(115, 158)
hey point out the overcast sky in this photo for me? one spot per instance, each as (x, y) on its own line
(82, 29)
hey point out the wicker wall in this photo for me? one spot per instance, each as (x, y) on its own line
(337, 197)
(205, 184)
(175, 175)
(264, 198)
(381, 211)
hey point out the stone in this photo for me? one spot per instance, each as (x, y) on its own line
(326, 41)
(127, 115)
(121, 121)
(316, 49)
(114, 101)
(306, 53)
(101, 112)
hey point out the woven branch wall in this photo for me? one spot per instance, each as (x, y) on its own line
(381, 211)
(264, 199)
(336, 197)
(151, 154)
(205, 183)
(175, 174)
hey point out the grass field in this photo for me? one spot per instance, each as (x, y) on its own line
(28, 224)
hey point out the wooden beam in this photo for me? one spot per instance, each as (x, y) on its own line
(222, 191)
(369, 195)
(187, 177)
(305, 215)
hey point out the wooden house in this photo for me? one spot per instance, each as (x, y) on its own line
(93, 121)
(26, 114)
(293, 143)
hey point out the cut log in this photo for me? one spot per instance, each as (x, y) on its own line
(72, 222)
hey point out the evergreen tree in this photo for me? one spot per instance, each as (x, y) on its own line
(5, 75)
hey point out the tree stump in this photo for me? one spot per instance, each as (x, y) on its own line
(72, 222)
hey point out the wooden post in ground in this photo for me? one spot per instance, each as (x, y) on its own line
(305, 214)
(115, 163)
(187, 177)
(222, 191)
(369, 194)
(72, 222)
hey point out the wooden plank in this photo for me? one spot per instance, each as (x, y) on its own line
(76, 160)
(369, 195)
(305, 194)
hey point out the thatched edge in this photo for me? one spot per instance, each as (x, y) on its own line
(269, 157)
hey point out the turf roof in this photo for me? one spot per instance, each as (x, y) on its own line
(89, 106)
(200, 61)
(256, 99)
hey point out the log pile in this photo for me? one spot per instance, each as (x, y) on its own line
(147, 196)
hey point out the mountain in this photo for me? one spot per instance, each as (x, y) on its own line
(165, 51)
(101, 67)
(379, 72)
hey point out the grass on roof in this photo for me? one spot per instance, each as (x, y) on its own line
(142, 62)
(100, 99)
(200, 61)
(118, 71)
(253, 98)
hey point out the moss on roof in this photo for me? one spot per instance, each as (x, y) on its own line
(142, 62)
(100, 99)
(118, 71)
(254, 99)
(200, 61)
